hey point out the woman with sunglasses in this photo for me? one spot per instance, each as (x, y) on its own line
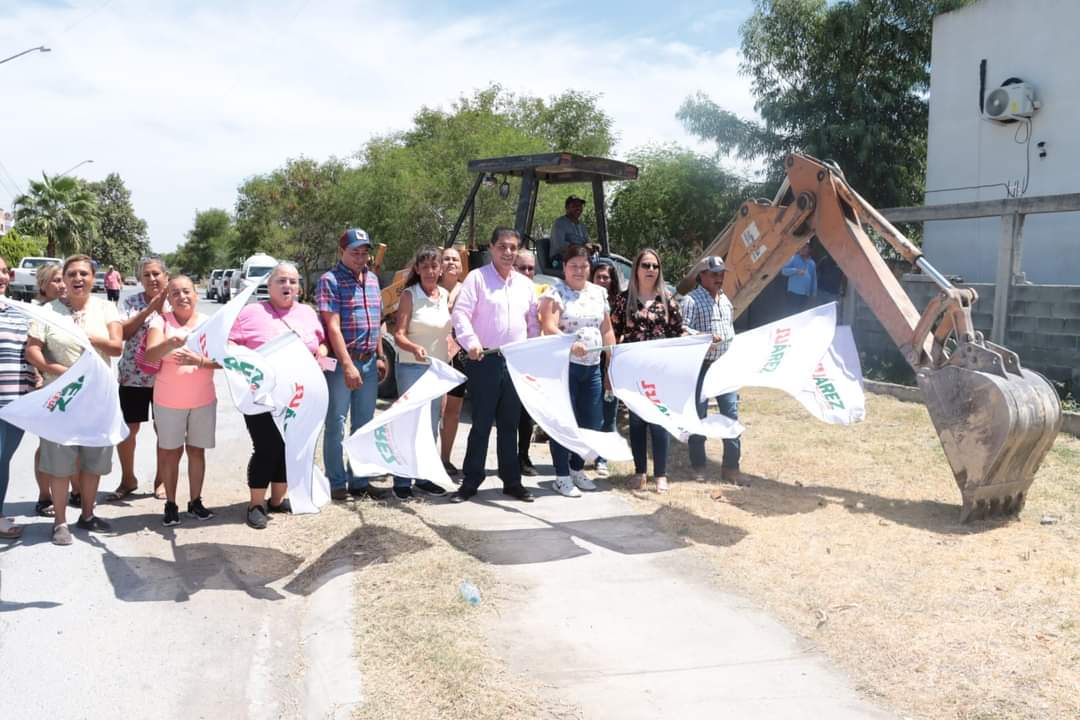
(647, 311)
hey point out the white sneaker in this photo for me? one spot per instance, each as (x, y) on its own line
(581, 480)
(565, 486)
(601, 468)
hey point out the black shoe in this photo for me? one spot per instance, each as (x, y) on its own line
(256, 517)
(449, 468)
(93, 524)
(284, 507)
(75, 500)
(339, 494)
(172, 514)
(369, 491)
(521, 494)
(404, 494)
(527, 468)
(196, 508)
(42, 507)
(426, 486)
(461, 496)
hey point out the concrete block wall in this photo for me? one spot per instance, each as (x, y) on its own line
(1043, 327)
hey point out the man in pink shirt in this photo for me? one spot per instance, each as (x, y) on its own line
(495, 306)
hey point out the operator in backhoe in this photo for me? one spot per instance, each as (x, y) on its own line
(568, 230)
(801, 274)
(706, 309)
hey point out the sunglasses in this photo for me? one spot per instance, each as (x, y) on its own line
(649, 266)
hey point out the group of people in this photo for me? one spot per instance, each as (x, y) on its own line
(459, 320)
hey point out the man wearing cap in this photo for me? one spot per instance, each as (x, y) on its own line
(567, 230)
(350, 308)
(706, 309)
(495, 306)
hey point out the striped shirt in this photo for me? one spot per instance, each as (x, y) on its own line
(359, 306)
(705, 314)
(17, 377)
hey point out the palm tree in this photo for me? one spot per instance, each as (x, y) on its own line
(61, 209)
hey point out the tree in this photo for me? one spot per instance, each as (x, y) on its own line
(210, 243)
(62, 210)
(846, 81)
(679, 203)
(14, 246)
(121, 238)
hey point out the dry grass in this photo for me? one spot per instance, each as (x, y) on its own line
(421, 648)
(853, 540)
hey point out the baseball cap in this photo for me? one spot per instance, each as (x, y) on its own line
(712, 263)
(354, 237)
(574, 199)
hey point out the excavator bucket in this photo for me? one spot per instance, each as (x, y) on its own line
(996, 421)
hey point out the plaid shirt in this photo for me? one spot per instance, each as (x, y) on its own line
(705, 315)
(360, 307)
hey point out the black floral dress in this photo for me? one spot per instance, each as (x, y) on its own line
(651, 321)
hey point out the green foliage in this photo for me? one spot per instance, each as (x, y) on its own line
(121, 237)
(210, 243)
(845, 81)
(407, 188)
(14, 246)
(680, 202)
(61, 209)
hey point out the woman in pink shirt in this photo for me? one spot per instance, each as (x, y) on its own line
(255, 325)
(185, 404)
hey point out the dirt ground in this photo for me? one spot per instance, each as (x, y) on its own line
(851, 537)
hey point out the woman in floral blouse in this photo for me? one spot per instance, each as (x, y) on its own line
(646, 311)
(575, 306)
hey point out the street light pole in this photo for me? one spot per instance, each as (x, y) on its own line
(74, 167)
(39, 48)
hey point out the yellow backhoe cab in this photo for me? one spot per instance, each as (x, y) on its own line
(533, 170)
(996, 419)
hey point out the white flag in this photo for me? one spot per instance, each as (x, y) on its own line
(250, 380)
(540, 370)
(82, 406)
(399, 440)
(656, 379)
(835, 392)
(779, 355)
(300, 398)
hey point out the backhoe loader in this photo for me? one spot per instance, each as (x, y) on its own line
(996, 419)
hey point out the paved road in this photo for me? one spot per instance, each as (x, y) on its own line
(197, 621)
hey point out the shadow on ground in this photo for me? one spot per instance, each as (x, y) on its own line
(631, 534)
(769, 498)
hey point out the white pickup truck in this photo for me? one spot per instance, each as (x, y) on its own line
(24, 280)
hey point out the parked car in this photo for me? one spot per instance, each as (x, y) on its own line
(99, 282)
(255, 267)
(130, 281)
(227, 285)
(24, 278)
(213, 285)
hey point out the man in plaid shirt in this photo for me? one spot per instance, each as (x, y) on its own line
(706, 309)
(350, 308)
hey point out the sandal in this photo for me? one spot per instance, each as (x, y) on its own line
(638, 482)
(121, 492)
(9, 530)
(159, 491)
(44, 508)
(661, 484)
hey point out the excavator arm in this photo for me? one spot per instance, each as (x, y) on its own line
(996, 420)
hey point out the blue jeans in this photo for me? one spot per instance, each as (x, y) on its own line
(586, 397)
(10, 436)
(639, 430)
(359, 405)
(407, 374)
(729, 407)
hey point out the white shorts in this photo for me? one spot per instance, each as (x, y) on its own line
(176, 428)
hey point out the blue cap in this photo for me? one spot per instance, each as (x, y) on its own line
(354, 237)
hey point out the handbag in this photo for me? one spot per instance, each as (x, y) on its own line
(145, 366)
